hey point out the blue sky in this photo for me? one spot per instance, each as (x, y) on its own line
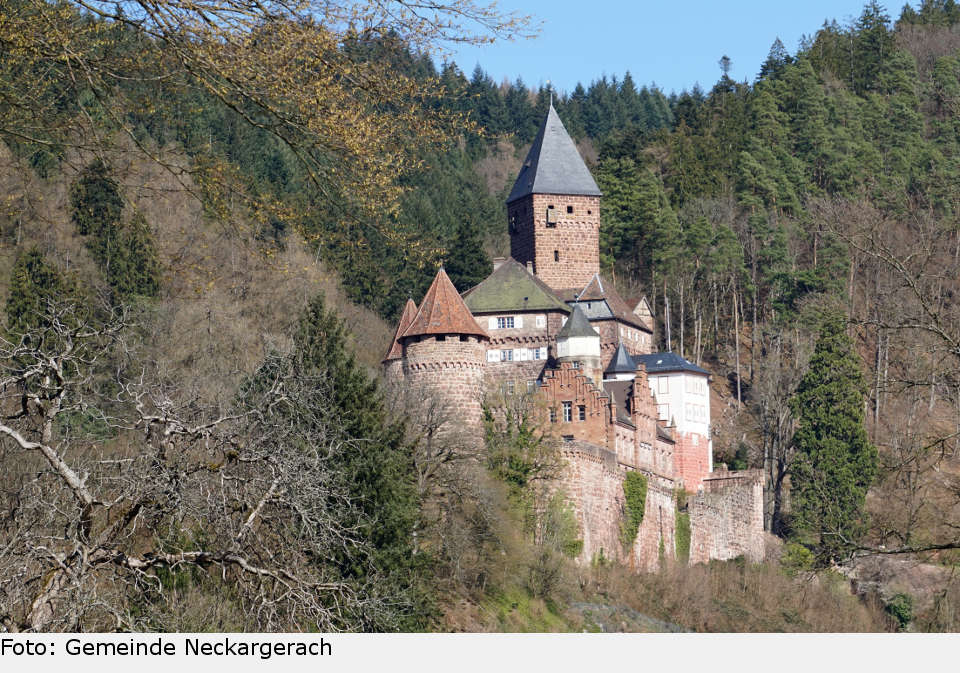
(670, 43)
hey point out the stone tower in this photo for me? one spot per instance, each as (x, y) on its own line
(443, 354)
(579, 343)
(554, 210)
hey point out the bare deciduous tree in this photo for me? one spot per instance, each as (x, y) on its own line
(115, 488)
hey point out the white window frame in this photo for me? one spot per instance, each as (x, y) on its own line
(567, 412)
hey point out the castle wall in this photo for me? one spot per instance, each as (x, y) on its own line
(450, 367)
(691, 458)
(575, 239)
(726, 517)
(593, 482)
(659, 524)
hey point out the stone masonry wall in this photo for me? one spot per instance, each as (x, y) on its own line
(692, 459)
(566, 384)
(658, 525)
(528, 336)
(726, 517)
(575, 239)
(450, 367)
(593, 482)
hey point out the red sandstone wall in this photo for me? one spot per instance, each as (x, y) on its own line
(576, 237)
(692, 459)
(726, 517)
(451, 369)
(659, 523)
(572, 385)
(593, 481)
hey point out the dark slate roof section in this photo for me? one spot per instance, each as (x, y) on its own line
(553, 165)
(512, 288)
(600, 301)
(621, 362)
(620, 391)
(664, 434)
(668, 362)
(577, 325)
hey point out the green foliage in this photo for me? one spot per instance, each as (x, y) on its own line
(900, 607)
(378, 473)
(635, 503)
(124, 252)
(517, 452)
(683, 536)
(796, 558)
(34, 285)
(835, 463)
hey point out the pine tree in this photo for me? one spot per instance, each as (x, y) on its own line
(835, 462)
(380, 470)
(34, 283)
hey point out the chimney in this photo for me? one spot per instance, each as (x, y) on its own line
(498, 262)
(530, 266)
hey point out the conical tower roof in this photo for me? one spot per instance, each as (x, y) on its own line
(577, 326)
(396, 350)
(442, 311)
(553, 164)
(621, 362)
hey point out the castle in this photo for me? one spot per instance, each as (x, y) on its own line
(546, 324)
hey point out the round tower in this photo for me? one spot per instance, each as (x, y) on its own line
(579, 343)
(444, 351)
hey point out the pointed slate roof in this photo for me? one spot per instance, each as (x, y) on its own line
(442, 311)
(553, 164)
(512, 288)
(621, 362)
(577, 326)
(396, 350)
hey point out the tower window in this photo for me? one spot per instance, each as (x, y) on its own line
(582, 412)
(569, 210)
(589, 212)
(556, 255)
(567, 412)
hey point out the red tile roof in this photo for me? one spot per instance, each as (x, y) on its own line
(396, 350)
(442, 311)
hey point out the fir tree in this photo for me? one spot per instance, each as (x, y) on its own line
(380, 470)
(34, 284)
(835, 462)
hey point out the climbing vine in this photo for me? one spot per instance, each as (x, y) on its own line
(635, 499)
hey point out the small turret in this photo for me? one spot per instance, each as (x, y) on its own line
(444, 351)
(579, 343)
(393, 360)
(622, 366)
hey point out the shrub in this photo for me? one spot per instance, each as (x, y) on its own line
(900, 607)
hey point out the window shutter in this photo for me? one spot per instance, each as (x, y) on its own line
(518, 322)
(492, 323)
(541, 321)
(493, 356)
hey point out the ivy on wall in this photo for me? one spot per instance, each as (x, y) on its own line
(635, 500)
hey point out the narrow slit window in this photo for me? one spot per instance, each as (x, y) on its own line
(556, 255)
